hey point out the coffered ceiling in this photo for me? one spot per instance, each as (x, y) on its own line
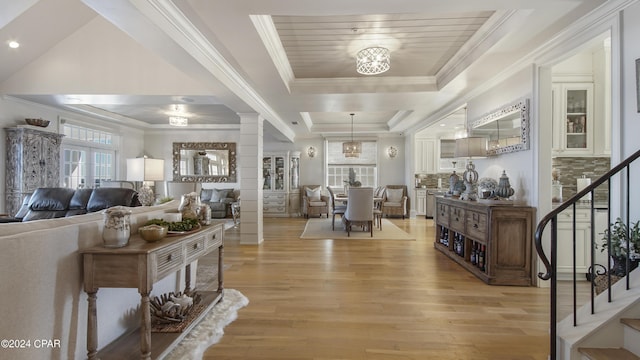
(293, 62)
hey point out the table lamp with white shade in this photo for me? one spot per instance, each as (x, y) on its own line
(471, 148)
(147, 171)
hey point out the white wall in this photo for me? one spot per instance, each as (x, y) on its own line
(159, 144)
(14, 111)
(630, 118)
(519, 166)
(390, 170)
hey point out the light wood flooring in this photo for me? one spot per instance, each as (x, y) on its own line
(372, 299)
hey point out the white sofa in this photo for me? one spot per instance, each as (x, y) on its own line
(42, 293)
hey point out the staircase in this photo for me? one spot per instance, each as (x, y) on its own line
(608, 326)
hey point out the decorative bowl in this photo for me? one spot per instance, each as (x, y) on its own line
(152, 233)
(37, 122)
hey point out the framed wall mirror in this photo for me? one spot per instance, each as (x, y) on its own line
(506, 129)
(204, 162)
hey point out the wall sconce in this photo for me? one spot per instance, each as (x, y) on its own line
(311, 151)
(392, 151)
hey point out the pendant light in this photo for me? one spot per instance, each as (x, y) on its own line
(352, 149)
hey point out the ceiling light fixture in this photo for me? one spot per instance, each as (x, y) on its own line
(14, 44)
(352, 149)
(373, 60)
(178, 121)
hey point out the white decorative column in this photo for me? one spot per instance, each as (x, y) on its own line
(250, 163)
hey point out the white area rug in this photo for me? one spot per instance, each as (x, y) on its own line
(210, 330)
(321, 229)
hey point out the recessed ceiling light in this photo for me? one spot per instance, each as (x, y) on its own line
(443, 124)
(14, 44)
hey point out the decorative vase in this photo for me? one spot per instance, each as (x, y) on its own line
(204, 214)
(504, 189)
(117, 227)
(190, 205)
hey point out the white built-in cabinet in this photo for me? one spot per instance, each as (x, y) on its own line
(573, 119)
(583, 241)
(421, 201)
(281, 184)
(579, 127)
(426, 155)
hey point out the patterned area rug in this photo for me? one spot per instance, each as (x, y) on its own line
(321, 229)
(210, 330)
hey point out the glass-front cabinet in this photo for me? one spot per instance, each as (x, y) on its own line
(573, 119)
(273, 173)
(281, 178)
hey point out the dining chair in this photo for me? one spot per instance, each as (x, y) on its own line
(335, 209)
(359, 209)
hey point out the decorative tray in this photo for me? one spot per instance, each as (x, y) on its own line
(178, 233)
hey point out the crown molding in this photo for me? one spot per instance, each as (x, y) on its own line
(372, 84)
(167, 16)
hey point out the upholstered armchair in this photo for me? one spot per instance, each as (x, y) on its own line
(313, 202)
(395, 201)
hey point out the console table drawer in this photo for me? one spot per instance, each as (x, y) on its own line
(195, 247)
(443, 214)
(477, 225)
(168, 259)
(457, 218)
(214, 239)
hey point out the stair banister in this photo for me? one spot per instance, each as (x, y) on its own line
(550, 264)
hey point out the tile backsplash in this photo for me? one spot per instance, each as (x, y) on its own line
(569, 169)
(572, 168)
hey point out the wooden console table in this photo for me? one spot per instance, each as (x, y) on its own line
(139, 265)
(492, 239)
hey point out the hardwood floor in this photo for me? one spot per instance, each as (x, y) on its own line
(372, 299)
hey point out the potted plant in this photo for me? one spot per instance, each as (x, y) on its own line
(621, 234)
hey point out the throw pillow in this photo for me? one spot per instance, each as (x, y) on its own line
(218, 195)
(205, 194)
(313, 194)
(394, 195)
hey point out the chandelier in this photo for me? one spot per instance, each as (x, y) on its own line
(176, 117)
(373, 60)
(178, 121)
(352, 149)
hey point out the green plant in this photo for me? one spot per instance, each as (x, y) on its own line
(165, 200)
(620, 235)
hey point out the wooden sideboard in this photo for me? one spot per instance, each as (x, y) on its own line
(139, 265)
(492, 239)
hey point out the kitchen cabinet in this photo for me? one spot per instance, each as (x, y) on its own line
(425, 156)
(573, 120)
(583, 241)
(421, 201)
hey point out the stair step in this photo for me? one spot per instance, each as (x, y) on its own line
(632, 323)
(608, 354)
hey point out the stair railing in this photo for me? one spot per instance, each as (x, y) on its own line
(551, 263)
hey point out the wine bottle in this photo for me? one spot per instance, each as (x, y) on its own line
(481, 258)
(473, 253)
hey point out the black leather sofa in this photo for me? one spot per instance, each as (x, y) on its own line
(51, 203)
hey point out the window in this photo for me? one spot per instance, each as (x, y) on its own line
(365, 166)
(88, 156)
